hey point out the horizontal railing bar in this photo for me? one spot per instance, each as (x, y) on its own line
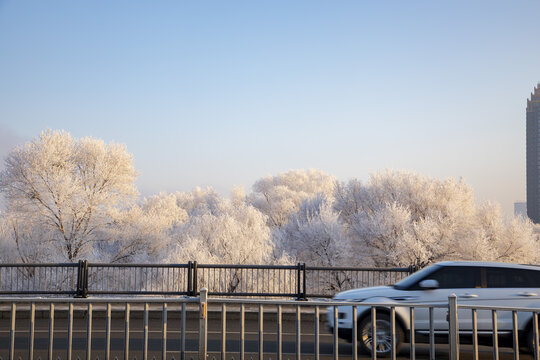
(137, 300)
(240, 266)
(327, 296)
(221, 300)
(209, 266)
(141, 300)
(322, 303)
(135, 292)
(499, 308)
(339, 268)
(37, 292)
(176, 266)
(4, 265)
(218, 293)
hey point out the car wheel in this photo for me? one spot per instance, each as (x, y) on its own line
(384, 335)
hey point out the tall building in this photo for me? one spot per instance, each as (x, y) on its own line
(533, 156)
(520, 209)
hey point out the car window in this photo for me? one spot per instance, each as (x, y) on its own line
(410, 282)
(457, 277)
(512, 278)
(449, 277)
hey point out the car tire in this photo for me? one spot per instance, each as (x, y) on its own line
(384, 335)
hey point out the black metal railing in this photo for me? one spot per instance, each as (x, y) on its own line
(252, 280)
(140, 279)
(83, 279)
(326, 281)
(46, 279)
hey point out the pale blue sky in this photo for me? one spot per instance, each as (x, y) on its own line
(221, 93)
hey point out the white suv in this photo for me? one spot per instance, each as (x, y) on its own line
(474, 283)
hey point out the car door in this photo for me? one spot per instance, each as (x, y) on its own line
(506, 286)
(464, 281)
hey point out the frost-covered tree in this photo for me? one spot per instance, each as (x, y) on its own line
(390, 237)
(199, 201)
(18, 244)
(65, 187)
(141, 232)
(403, 218)
(279, 196)
(422, 195)
(314, 235)
(220, 230)
(498, 240)
(8, 253)
(68, 199)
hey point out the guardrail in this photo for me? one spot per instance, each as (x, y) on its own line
(138, 279)
(326, 281)
(83, 278)
(46, 279)
(224, 328)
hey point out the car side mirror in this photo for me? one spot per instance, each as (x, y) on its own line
(429, 284)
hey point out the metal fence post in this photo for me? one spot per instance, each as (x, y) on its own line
(78, 290)
(85, 279)
(164, 332)
(223, 331)
(242, 331)
(145, 332)
(190, 278)
(431, 334)
(495, 335)
(298, 332)
(453, 323)
(279, 334)
(261, 332)
(195, 290)
(393, 330)
(69, 350)
(82, 279)
(126, 331)
(51, 331)
(301, 281)
(298, 279)
(535, 336)
(373, 332)
(31, 331)
(88, 332)
(108, 333)
(203, 320)
(12, 332)
(183, 336)
(304, 293)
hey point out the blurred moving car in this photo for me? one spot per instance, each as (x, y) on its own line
(474, 283)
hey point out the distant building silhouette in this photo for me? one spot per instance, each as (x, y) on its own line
(533, 156)
(520, 209)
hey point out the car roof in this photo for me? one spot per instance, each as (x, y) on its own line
(489, 264)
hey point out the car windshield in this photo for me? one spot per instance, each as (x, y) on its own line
(414, 278)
